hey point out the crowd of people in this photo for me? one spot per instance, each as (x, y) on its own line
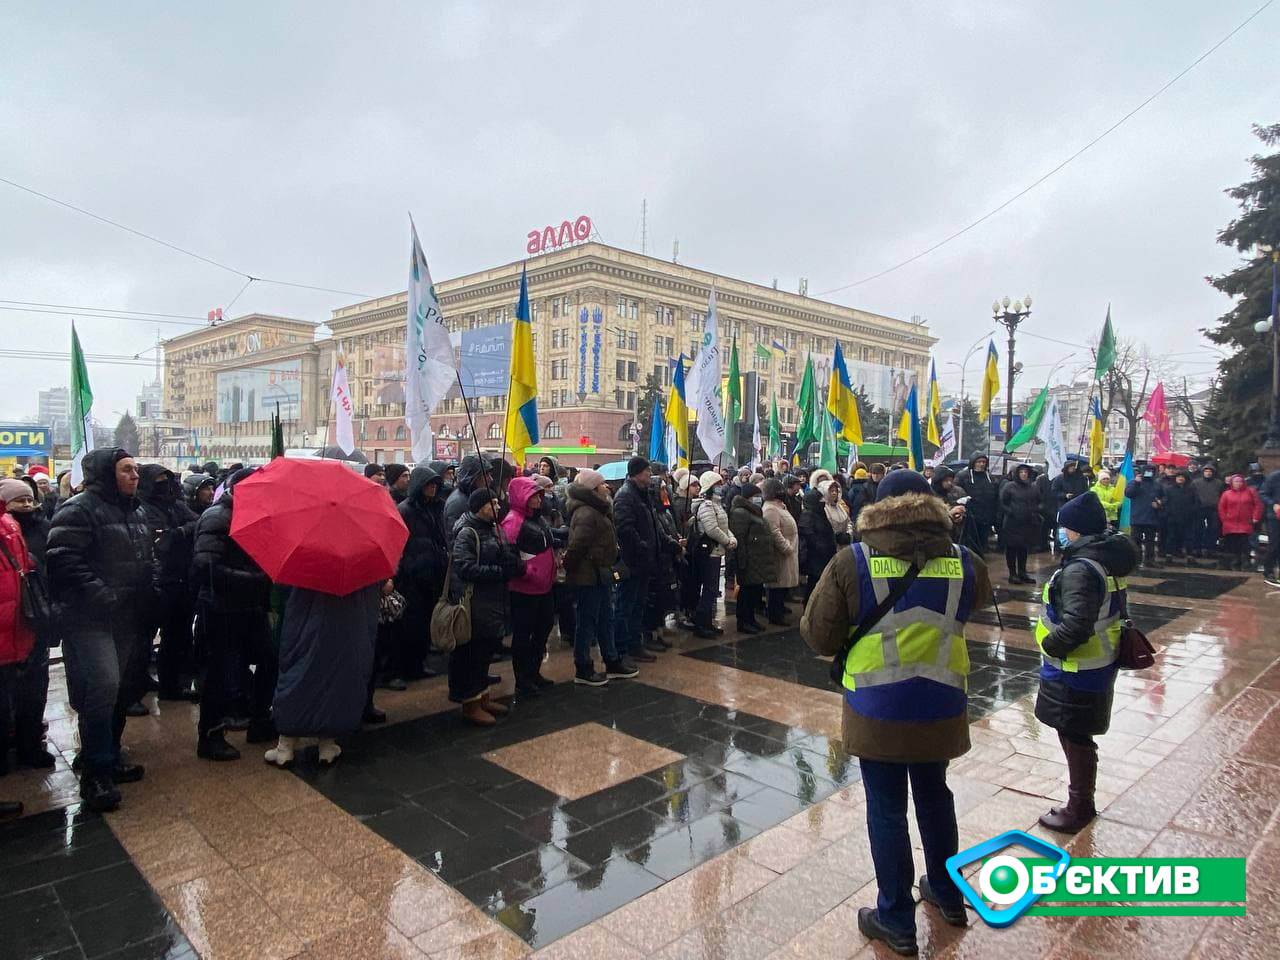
(881, 554)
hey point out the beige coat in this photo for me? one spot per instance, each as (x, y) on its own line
(786, 540)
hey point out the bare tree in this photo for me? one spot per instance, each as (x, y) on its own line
(1201, 423)
(1127, 386)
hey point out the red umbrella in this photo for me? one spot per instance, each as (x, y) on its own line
(1176, 459)
(318, 524)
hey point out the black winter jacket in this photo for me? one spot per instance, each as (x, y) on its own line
(1022, 513)
(455, 507)
(99, 555)
(1145, 505)
(426, 554)
(817, 539)
(982, 491)
(859, 494)
(483, 559)
(1067, 485)
(639, 538)
(1208, 490)
(757, 554)
(228, 578)
(170, 522)
(1180, 502)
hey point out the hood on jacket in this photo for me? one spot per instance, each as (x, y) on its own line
(519, 493)
(192, 484)
(439, 466)
(940, 474)
(155, 483)
(1114, 551)
(579, 496)
(555, 466)
(469, 471)
(1211, 468)
(419, 477)
(914, 526)
(99, 468)
(813, 500)
(744, 503)
(974, 458)
(1031, 473)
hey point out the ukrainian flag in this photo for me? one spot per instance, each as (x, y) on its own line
(841, 403)
(990, 381)
(677, 414)
(778, 348)
(522, 390)
(935, 405)
(1096, 440)
(909, 430)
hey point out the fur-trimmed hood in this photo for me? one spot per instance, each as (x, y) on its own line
(915, 526)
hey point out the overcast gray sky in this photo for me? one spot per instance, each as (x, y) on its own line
(827, 142)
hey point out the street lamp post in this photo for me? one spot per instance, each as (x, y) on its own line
(1272, 326)
(1010, 317)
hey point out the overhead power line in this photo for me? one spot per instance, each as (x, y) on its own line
(1035, 183)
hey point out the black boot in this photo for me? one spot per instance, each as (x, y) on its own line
(214, 746)
(871, 927)
(1082, 773)
(99, 793)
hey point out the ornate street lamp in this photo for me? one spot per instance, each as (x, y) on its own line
(1010, 317)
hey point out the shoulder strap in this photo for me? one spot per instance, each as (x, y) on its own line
(867, 623)
(10, 557)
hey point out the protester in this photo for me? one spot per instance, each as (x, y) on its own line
(1239, 513)
(1181, 509)
(1269, 492)
(484, 561)
(860, 492)
(376, 473)
(1109, 496)
(757, 555)
(397, 475)
(589, 561)
(1020, 525)
(786, 542)
(172, 526)
(1079, 635)
(419, 578)
(100, 573)
(198, 490)
(817, 540)
(640, 543)
(710, 539)
(232, 605)
(1208, 488)
(792, 495)
(326, 659)
(17, 638)
(472, 474)
(664, 587)
(1067, 485)
(836, 512)
(445, 471)
(903, 722)
(983, 492)
(532, 606)
(1145, 503)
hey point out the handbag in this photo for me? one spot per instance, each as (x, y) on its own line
(33, 600)
(451, 622)
(1135, 651)
(391, 607)
(876, 615)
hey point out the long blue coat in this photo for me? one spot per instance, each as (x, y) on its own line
(326, 657)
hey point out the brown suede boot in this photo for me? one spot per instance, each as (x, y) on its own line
(1082, 774)
(474, 712)
(492, 706)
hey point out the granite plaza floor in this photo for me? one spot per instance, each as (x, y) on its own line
(704, 810)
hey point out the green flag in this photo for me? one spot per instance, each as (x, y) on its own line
(763, 352)
(732, 406)
(806, 429)
(1030, 422)
(81, 408)
(1106, 349)
(827, 450)
(775, 430)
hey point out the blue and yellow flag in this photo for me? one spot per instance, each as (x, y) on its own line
(677, 414)
(1096, 440)
(522, 390)
(841, 403)
(990, 381)
(909, 430)
(935, 406)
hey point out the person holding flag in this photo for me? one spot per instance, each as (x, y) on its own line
(521, 430)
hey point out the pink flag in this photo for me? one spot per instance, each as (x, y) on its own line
(1157, 416)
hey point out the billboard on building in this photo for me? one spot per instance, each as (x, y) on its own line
(252, 393)
(482, 355)
(886, 387)
(25, 440)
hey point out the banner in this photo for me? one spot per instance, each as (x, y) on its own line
(1157, 416)
(948, 441)
(1050, 434)
(251, 393)
(428, 353)
(340, 395)
(706, 386)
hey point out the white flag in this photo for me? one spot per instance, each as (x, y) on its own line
(948, 439)
(706, 386)
(1050, 434)
(755, 439)
(428, 355)
(340, 394)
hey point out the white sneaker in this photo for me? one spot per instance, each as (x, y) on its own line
(329, 751)
(282, 753)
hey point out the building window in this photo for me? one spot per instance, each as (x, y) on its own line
(552, 430)
(624, 433)
(495, 430)
(382, 433)
(665, 315)
(400, 433)
(664, 346)
(555, 308)
(560, 369)
(697, 320)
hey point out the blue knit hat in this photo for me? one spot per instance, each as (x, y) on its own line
(1084, 515)
(899, 482)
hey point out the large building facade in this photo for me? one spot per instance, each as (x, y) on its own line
(605, 320)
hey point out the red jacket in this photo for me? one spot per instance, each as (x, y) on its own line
(15, 636)
(1239, 510)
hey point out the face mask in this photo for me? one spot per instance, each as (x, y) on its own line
(757, 500)
(1062, 537)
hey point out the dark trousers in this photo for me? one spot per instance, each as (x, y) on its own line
(886, 789)
(629, 601)
(174, 664)
(1144, 537)
(1235, 550)
(1272, 561)
(531, 617)
(706, 570)
(24, 691)
(749, 599)
(594, 625)
(102, 681)
(1016, 559)
(469, 668)
(562, 595)
(1207, 531)
(777, 605)
(1175, 532)
(232, 639)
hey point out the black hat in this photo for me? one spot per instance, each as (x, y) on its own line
(1083, 514)
(478, 498)
(899, 482)
(394, 472)
(371, 470)
(637, 466)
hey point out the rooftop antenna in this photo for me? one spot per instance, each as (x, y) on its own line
(675, 250)
(775, 283)
(644, 226)
(804, 286)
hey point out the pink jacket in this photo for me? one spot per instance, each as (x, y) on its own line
(1239, 510)
(527, 532)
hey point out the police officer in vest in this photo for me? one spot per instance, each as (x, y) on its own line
(905, 675)
(1078, 634)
